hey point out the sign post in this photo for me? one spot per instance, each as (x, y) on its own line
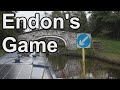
(83, 62)
(84, 41)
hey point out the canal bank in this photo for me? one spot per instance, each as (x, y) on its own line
(105, 57)
(102, 49)
(107, 50)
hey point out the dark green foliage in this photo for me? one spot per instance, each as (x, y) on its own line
(105, 23)
(83, 21)
(6, 33)
(80, 14)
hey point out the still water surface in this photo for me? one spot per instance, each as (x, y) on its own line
(71, 68)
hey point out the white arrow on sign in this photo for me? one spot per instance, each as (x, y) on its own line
(82, 41)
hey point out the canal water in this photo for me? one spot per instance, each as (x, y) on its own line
(67, 67)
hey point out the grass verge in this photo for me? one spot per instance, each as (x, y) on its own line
(111, 51)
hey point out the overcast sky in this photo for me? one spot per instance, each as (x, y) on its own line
(32, 13)
(28, 14)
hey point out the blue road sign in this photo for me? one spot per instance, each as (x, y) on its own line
(84, 40)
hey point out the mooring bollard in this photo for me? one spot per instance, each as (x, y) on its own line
(17, 60)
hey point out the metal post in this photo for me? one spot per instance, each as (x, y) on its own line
(83, 62)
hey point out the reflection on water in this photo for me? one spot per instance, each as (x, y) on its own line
(69, 67)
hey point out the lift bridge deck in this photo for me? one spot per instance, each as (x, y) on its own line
(12, 67)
